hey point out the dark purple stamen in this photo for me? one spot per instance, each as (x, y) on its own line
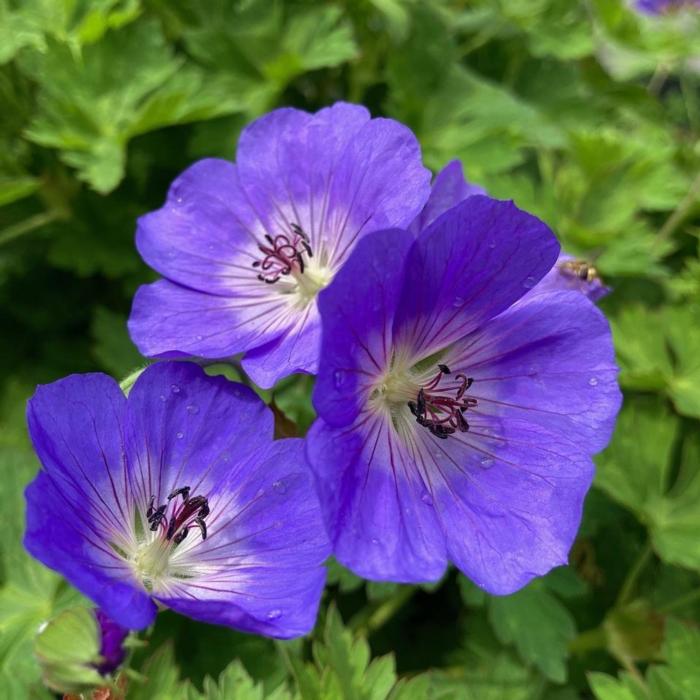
(283, 254)
(190, 513)
(442, 414)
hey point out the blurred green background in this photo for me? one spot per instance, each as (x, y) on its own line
(584, 113)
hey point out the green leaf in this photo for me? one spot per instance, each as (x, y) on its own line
(234, 682)
(267, 44)
(606, 687)
(13, 189)
(161, 678)
(91, 105)
(661, 350)
(538, 625)
(679, 678)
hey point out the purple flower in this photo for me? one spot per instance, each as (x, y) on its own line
(658, 7)
(449, 188)
(245, 248)
(176, 495)
(112, 636)
(458, 411)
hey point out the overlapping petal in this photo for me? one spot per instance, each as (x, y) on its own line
(471, 264)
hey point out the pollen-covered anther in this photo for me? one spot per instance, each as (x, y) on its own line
(175, 525)
(581, 269)
(441, 409)
(284, 255)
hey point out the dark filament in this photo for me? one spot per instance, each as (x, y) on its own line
(439, 412)
(190, 513)
(283, 254)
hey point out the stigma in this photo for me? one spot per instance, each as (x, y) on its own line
(174, 523)
(440, 405)
(283, 255)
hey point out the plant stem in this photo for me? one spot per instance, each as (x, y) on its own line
(633, 574)
(367, 623)
(27, 226)
(687, 599)
(590, 640)
(680, 212)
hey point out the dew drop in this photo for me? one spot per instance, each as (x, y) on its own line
(487, 462)
(279, 487)
(593, 381)
(261, 492)
(426, 499)
(274, 614)
(179, 436)
(458, 301)
(175, 388)
(162, 397)
(529, 282)
(338, 378)
(193, 409)
(492, 244)
(199, 337)
(375, 540)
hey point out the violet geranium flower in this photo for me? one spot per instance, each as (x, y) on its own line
(177, 495)
(659, 7)
(458, 411)
(245, 248)
(450, 188)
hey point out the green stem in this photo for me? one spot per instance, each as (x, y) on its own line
(630, 582)
(368, 622)
(129, 381)
(680, 212)
(27, 226)
(681, 602)
(590, 640)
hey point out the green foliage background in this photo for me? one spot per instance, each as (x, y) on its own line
(583, 112)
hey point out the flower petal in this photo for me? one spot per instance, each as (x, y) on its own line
(448, 189)
(287, 160)
(547, 360)
(472, 263)
(186, 428)
(81, 498)
(509, 495)
(375, 504)
(171, 321)
(294, 352)
(206, 234)
(260, 569)
(357, 312)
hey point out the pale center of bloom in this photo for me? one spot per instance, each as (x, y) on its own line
(154, 550)
(438, 402)
(288, 262)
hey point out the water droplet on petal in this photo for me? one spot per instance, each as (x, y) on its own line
(426, 498)
(179, 436)
(261, 492)
(492, 244)
(458, 301)
(199, 337)
(193, 409)
(375, 540)
(529, 282)
(274, 614)
(162, 397)
(338, 378)
(593, 381)
(175, 388)
(486, 462)
(279, 486)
